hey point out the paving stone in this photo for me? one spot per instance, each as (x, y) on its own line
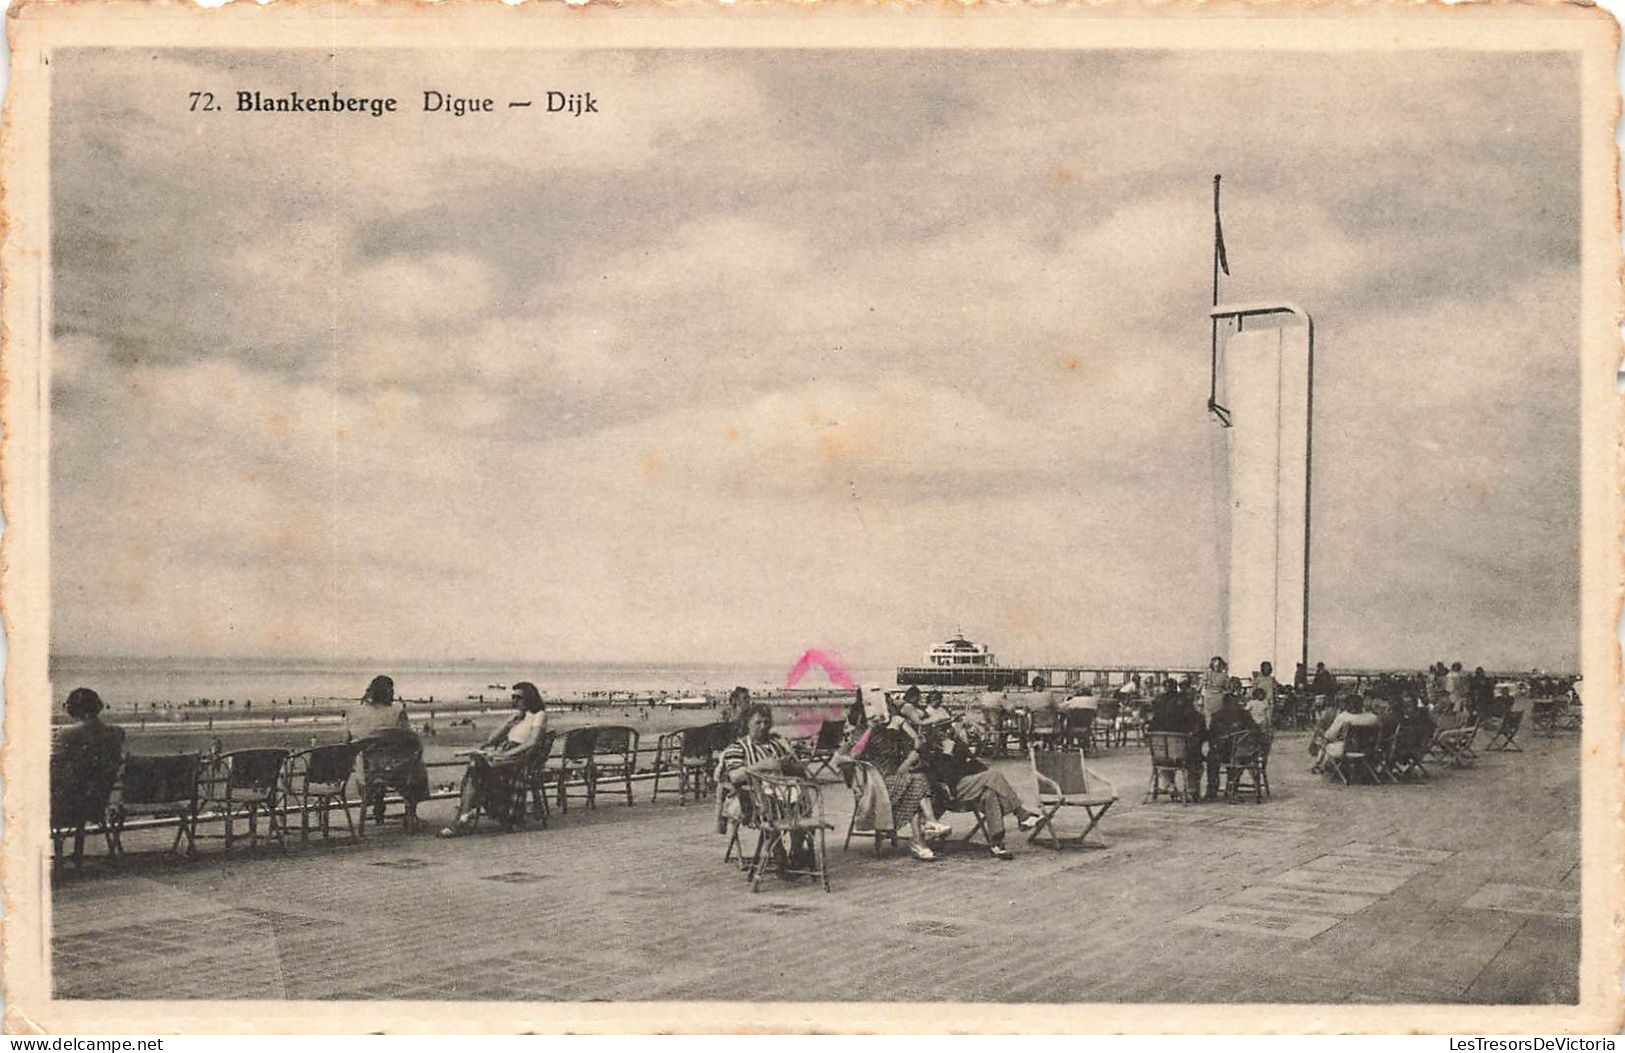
(1364, 865)
(1271, 897)
(1400, 853)
(1256, 922)
(1339, 881)
(1522, 899)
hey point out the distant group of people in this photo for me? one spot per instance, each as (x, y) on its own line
(1211, 731)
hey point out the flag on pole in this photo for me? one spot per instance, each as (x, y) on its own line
(1218, 230)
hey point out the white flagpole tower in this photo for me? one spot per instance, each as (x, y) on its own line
(1268, 393)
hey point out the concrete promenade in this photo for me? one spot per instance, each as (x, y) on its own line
(1462, 890)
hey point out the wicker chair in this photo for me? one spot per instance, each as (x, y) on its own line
(787, 810)
(320, 777)
(687, 755)
(1246, 756)
(614, 756)
(392, 760)
(575, 761)
(78, 802)
(250, 781)
(157, 787)
(1172, 753)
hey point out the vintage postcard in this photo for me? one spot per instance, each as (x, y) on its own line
(811, 518)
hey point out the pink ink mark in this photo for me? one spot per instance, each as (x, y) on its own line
(808, 722)
(831, 665)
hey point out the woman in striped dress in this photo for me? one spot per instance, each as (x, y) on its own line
(757, 752)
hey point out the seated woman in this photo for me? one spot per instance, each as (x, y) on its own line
(493, 767)
(392, 754)
(896, 757)
(757, 752)
(85, 760)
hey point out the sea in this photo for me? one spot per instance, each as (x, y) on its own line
(124, 682)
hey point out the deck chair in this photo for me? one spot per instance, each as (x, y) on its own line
(1064, 780)
(1505, 739)
(788, 810)
(1359, 751)
(1456, 745)
(158, 787)
(78, 803)
(830, 733)
(320, 777)
(865, 779)
(614, 756)
(575, 761)
(1108, 730)
(1171, 753)
(249, 781)
(1246, 755)
(685, 753)
(1409, 748)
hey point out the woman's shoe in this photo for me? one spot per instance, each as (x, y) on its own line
(921, 852)
(1000, 852)
(937, 831)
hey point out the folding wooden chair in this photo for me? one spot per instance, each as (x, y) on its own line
(320, 777)
(1456, 745)
(788, 810)
(822, 757)
(865, 776)
(158, 787)
(1505, 739)
(1359, 750)
(1410, 747)
(1064, 780)
(1171, 753)
(614, 756)
(250, 780)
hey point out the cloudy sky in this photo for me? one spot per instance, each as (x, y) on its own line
(790, 350)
